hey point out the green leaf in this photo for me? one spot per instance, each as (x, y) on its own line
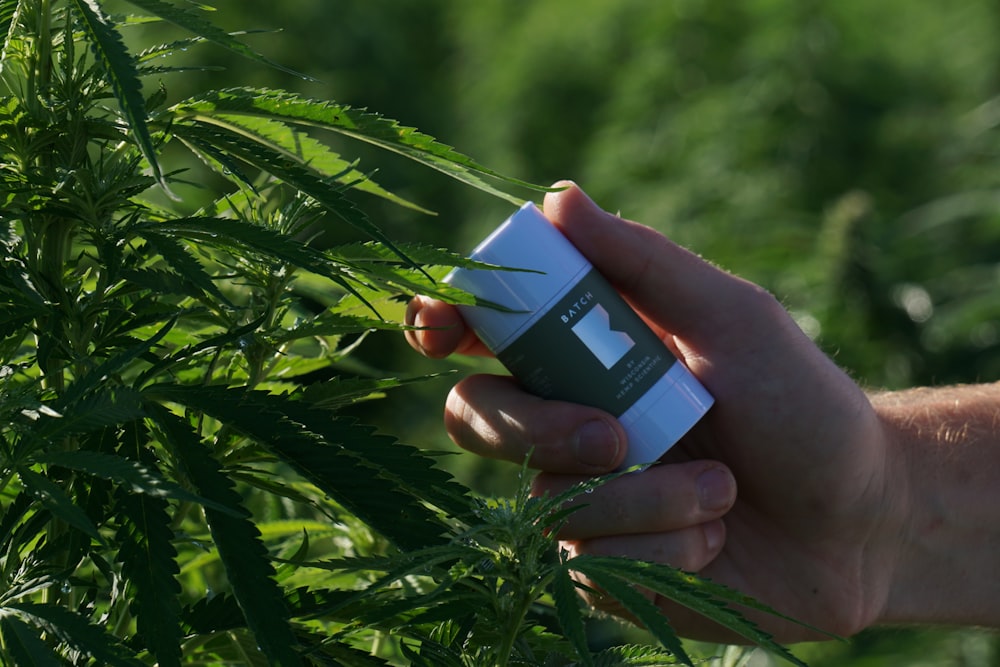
(24, 645)
(221, 232)
(383, 268)
(76, 631)
(701, 595)
(299, 146)
(341, 392)
(10, 18)
(360, 253)
(184, 265)
(94, 412)
(215, 342)
(382, 482)
(209, 31)
(567, 604)
(248, 566)
(133, 475)
(634, 656)
(288, 169)
(54, 499)
(356, 123)
(335, 324)
(213, 614)
(15, 512)
(110, 51)
(148, 558)
(645, 611)
(112, 365)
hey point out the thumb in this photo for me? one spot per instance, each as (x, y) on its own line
(675, 288)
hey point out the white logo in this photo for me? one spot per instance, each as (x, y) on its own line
(595, 331)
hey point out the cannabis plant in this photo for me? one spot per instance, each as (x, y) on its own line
(181, 482)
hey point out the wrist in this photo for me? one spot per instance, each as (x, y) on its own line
(942, 538)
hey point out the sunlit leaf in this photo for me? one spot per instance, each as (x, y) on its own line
(110, 50)
(357, 123)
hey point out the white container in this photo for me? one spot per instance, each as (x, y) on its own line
(568, 335)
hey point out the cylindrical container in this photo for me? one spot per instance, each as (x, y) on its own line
(566, 334)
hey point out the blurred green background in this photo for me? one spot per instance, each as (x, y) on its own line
(845, 154)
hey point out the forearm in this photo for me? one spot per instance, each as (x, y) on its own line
(947, 441)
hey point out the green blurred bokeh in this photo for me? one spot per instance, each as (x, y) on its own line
(845, 155)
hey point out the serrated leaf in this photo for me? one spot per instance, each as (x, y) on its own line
(291, 171)
(110, 51)
(384, 270)
(14, 513)
(634, 656)
(161, 282)
(645, 611)
(298, 145)
(10, 15)
(56, 501)
(148, 558)
(341, 392)
(382, 482)
(335, 324)
(215, 342)
(213, 614)
(567, 604)
(209, 31)
(359, 253)
(137, 477)
(224, 233)
(184, 265)
(94, 412)
(700, 595)
(76, 631)
(24, 645)
(340, 654)
(357, 123)
(244, 556)
(110, 366)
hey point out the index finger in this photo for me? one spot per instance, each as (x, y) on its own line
(439, 330)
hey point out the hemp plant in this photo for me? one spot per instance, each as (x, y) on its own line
(176, 486)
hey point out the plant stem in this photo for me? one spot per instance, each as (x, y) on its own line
(44, 63)
(513, 630)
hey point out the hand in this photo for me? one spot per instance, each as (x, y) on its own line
(814, 528)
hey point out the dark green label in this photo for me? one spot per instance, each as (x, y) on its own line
(589, 348)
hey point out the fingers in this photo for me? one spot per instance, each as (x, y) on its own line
(673, 287)
(491, 416)
(662, 499)
(440, 330)
(690, 549)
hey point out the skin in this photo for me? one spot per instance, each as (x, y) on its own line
(836, 508)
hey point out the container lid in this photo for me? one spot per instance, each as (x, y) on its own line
(663, 415)
(526, 240)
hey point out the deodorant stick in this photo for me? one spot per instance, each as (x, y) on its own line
(568, 335)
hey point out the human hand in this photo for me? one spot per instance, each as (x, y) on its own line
(813, 529)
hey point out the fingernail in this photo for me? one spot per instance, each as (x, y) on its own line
(716, 489)
(413, 309)
(597, 444)
(715, 535)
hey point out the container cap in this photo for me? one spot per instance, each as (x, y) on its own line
(663, 415)
(526, 240)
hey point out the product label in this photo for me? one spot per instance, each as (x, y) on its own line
(589, 348)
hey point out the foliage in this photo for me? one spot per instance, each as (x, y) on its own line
(502, 592)
(842, 154)
(180, 481)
